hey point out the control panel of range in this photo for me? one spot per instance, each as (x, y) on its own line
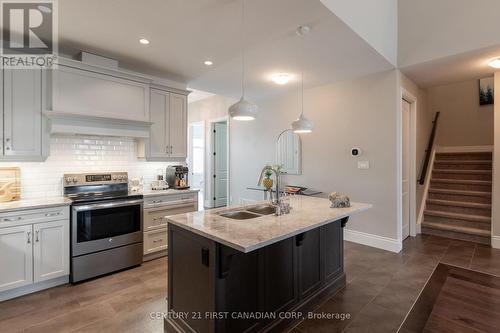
(76, 179)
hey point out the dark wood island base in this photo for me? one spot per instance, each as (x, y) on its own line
(215, 288)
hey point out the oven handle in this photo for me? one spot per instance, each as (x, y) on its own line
(106, 205)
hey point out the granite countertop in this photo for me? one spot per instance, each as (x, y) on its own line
(23, 204)
(153, 193)
(247, 235)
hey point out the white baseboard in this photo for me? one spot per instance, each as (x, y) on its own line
(464, 149)
(384, 243)
(495, 242)
(8, 294)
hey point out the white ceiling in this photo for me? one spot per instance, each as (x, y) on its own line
(462, 67)
(184, 33)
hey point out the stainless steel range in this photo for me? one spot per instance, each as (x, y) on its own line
(106, 224)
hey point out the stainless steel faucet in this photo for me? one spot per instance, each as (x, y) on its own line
(281, 208)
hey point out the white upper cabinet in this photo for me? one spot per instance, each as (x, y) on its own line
(168, 136)
(158, 139)
(178, 126)
(16, 259)
(50, 250)
(86, 92)
(24, 136)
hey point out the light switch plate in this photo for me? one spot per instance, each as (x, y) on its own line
(363, 165)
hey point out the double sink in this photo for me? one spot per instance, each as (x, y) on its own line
(249, 213)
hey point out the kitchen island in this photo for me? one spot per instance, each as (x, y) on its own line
(242, 269)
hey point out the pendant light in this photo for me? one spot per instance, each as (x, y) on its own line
(302, 124)
(243, 109)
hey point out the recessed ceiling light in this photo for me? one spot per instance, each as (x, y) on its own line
(281, 78)
(208, 63)
(495, 63)
(144, 41)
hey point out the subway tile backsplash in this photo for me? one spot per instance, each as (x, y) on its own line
(82, 154)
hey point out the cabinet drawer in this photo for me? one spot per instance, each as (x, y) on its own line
(156, 240)
(31, 216)
(166, 200)
(154, 218)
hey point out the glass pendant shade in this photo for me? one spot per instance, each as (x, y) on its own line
(243, 110)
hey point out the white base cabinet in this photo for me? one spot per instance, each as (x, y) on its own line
(50, 250)
(16, 259)
(34, 247)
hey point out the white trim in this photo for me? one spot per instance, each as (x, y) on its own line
(13, 293)
(495, 242)
(426, 191)
(464, 149)
(384, 243)
(409, 97)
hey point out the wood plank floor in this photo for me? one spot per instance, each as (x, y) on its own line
(381, 289)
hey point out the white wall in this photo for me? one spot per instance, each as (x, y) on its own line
(207, 110)
(361, 113)
(495, 221)
(374, 21)
(76, 154)
(462, 122)
(433, 29)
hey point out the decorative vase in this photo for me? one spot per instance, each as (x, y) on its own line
(268, 183)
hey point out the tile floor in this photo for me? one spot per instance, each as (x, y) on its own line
(381, 289)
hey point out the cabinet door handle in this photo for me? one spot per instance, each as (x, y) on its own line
(29, 237)
(36, 237)
(19, 218)
(157, 240)
(52, 214)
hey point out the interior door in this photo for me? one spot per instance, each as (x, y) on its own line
(16, 259)
(50, 250)
(22, 112)
(178, 126)
(220, 164)
(406, 169)
(159, 113)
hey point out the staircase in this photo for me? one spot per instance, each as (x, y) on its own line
(459, 198)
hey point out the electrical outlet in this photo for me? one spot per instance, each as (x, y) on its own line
(363, 165)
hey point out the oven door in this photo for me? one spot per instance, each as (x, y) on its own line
(105, 225)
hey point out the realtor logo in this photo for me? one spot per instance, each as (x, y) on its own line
(29, 38)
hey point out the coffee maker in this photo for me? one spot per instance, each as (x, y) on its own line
(177, 176)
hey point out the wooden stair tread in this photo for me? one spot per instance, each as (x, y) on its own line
(462, 181)
(463, 161)
(465, 171)
(458, 203)
(458, 216)
(460, 192)
(460, 229)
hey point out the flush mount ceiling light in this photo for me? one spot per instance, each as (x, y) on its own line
(144, 41)
(44, 9)
(243, 109)
(281, 78)
(494, 63)
(208, 63)
(302, 124)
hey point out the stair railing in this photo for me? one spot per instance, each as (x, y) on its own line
(428, 151)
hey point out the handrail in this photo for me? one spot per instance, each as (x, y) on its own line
(428, 151)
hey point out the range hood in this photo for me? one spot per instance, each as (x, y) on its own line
(69, 123)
